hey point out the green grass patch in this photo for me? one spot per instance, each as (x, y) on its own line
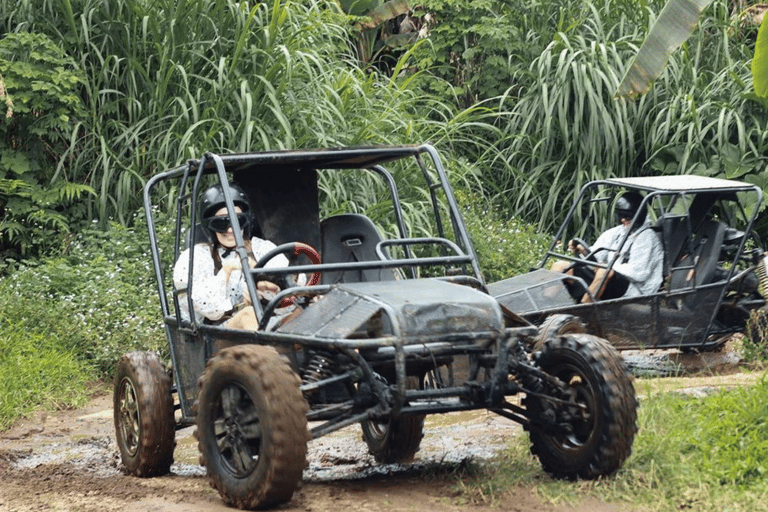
(67, 318)
(703, 454)
(36, 372)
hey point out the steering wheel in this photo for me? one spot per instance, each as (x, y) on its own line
(291, 249)
(587, 258)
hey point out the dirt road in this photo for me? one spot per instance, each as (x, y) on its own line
(68, 461)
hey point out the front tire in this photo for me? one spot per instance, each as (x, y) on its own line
(602, 428)
(395, 440)
(145, 428)
(252, 427)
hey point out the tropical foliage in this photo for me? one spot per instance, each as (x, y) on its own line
(519, 93)
(377, 28)
(566, 128)
(673, 27)
(160, 82)
(39, 87)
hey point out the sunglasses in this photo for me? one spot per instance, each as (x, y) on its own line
(220, 224)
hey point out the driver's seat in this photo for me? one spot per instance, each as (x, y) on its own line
(351, 237)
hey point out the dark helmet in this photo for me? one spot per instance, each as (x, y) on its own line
(628, 205)
(213, 200)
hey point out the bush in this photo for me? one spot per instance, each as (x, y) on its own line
(39, 94)
(504, 247)
(98, 298)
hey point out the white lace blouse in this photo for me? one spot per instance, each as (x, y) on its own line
(212, 296)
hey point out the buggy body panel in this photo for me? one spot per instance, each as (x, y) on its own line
(415, 311)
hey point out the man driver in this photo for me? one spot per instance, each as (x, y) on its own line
(639, 267)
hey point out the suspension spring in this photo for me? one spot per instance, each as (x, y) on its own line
(320, 366)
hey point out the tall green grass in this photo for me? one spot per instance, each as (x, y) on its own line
(167, 80)
(563, 127)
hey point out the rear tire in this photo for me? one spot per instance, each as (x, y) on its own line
(252, 427)
(757, 328)
(601, 435)
(395, 440)
(145, 428)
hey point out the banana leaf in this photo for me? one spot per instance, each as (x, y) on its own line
(673, 27)
(384, 12)
(358, 7)
(760, 61)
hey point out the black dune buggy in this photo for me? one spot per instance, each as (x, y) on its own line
(714, 267)
(398, 327)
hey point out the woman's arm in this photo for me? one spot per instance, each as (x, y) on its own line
(209, 289)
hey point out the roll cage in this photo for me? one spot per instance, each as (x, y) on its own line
(284, 192)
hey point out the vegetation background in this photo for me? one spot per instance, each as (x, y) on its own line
(517, 95)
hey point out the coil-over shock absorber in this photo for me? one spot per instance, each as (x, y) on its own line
(761, 271)
(320, 366)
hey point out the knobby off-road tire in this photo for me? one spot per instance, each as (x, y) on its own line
(757, 328)
(557, 325)
(601, 437)
(396, 440)
(252, 427)
(145, 428)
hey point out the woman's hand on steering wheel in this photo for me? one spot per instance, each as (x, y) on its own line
(291, 249)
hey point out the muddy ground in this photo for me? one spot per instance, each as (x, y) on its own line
(68, 461)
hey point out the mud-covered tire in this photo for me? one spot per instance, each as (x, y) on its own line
(557, 325)
(252, 427)
(396, 440)
(757, 328)
(601, 438)
(145, 428)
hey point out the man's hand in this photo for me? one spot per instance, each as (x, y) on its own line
(593, 287)
(576, 248)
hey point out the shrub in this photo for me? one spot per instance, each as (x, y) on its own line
(41, 107)
(98, 298)
(504, 247)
